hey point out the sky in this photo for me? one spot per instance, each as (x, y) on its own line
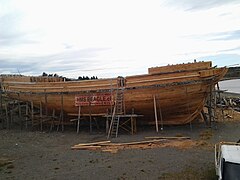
(111, 38)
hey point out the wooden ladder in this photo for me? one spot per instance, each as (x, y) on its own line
(120, 101)
(113, 129)
(118, 110)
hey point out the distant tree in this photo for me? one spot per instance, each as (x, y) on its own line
(87, 78)
(80, 78)
(50, 75)
(44, 74)
(96, 77)
(55, 75)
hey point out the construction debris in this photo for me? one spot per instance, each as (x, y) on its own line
(107, 146)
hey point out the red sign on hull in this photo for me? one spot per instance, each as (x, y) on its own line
(94, 100)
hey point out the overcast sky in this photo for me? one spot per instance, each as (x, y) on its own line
(108, 38)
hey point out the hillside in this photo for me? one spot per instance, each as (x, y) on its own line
(233, 72)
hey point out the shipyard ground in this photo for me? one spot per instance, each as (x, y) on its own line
(40, 155)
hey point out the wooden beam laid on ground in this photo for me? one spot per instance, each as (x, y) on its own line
(86, 147)
(92, 144)
(135, 143)
(157, 137)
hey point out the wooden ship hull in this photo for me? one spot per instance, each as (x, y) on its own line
(176, 94)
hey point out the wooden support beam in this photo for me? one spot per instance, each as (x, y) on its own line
(46, 102)
(188, 107)
(32, 113)
(219, 98)
(204, 117)
(11, 115)
(155, 112)
(1, 107)
(53, 118)
(60, 122)
(160, 111)
(90, 117)
(19, 111)
(7, 117)
(107, 120)
(79, 116)
(210, 114)
(133, 123)
(41, 116)
(26, 118)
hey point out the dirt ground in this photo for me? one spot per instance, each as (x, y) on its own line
(26, 154)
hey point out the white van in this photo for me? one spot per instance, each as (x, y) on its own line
(227, 160)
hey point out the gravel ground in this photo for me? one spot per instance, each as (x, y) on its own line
(28, 154)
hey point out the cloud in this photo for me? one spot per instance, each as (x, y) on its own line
(72, 60)
(72, 40)
(190, 5)
(229, 35)
(222, 59)
(10, 31)
(230, 50)
(217, 36)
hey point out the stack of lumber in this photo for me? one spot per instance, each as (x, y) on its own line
(155, 142)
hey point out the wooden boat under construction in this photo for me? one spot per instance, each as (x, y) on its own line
(174, 93)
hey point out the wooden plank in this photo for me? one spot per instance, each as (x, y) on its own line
(158, 137)
(76, 114)
(86, 147)
(164, 79)
(79, 118)
(180, 67)
(136, 142)
(94, 143)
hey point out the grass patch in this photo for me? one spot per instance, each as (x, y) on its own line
(206, 135)
(179, 135)
(10, 166)
(4, 162)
